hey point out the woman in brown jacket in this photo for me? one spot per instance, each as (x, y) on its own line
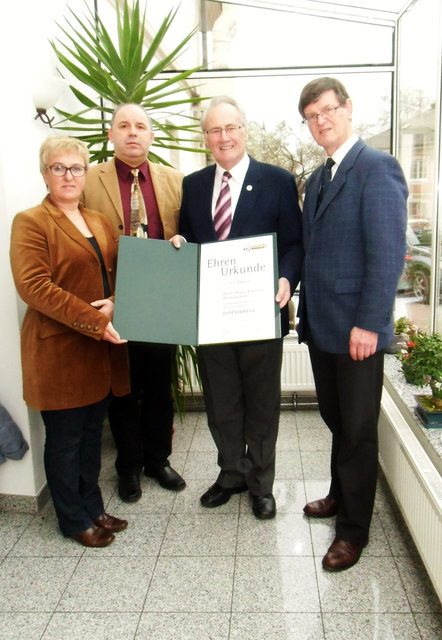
(63, 261)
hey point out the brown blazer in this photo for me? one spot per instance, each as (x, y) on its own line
(57, 273)
(102, 193)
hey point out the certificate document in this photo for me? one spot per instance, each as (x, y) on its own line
(198, 294)
(237, 289)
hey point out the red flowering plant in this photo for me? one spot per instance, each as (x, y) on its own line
(422, 363)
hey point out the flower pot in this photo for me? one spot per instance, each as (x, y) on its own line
(430, 416)
(398, 343)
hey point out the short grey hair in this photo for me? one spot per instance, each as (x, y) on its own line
(130, 104)
(215, 102)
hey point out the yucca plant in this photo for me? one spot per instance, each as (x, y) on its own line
(186, 360)
(123, 72)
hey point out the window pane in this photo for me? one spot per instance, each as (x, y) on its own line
(276, 133)
(418, 154)
(244, 37)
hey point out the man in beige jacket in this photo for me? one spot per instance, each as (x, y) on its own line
(142, 422)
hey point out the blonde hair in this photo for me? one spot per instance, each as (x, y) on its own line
(62, 143)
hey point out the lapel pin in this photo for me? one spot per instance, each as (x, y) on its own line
(249, 187)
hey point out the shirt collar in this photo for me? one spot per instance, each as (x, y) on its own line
(340, 153)
(124, 170)
(238, 172)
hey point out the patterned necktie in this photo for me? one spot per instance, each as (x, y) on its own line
(325, 180)
(138, 217)
(223, 209)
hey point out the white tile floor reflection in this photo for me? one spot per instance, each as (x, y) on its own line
(183, 572)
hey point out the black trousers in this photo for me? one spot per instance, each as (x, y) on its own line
(242, 392)
(349, 396)
(142, 422)
(72, 458)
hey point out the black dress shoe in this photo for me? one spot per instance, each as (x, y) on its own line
(167, 477)
(264, 507)
(217, 495)
(93, 537)
(129, 488)
(323, 508)
(342, 555)
(110, 523)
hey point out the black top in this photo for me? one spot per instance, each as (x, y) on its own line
(106, 287)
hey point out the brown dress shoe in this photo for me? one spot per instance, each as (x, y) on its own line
(342, 555)
(110, 523)
(94, 537)
(324, 508)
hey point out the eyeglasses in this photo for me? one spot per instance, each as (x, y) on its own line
(230, 129)
(327, 112)
(59, 170)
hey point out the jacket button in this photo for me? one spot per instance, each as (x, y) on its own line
(75, 324)
(89, 327)
(81, 326)
(110, 269)
(96, 328)
(120, 226)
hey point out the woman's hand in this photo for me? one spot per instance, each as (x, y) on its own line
(111, 335)
(106, 307)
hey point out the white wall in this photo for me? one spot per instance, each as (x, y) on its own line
(26, 55)
(25, 29)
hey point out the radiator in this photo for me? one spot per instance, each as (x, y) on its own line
(296, 372)
(415, 483)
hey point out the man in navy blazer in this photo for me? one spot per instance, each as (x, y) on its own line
(354, 239)
(241, 381)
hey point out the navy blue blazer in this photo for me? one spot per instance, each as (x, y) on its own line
(354, 249)
(268, 203)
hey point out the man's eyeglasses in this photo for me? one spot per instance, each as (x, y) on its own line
(231, 129)
(327, 112)
(59, 170)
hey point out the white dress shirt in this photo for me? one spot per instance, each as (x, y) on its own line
(238, 173)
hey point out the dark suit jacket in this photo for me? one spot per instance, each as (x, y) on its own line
(268, 203)
(354, 249)
(65, 362)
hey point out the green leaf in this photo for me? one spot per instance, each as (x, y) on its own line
(121, 71)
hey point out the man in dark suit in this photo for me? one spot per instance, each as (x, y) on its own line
(241, 381)
(142, 422)
(354, 240)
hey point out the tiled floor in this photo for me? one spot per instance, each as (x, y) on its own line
(182, 572)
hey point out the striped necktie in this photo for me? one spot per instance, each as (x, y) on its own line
(222, 219)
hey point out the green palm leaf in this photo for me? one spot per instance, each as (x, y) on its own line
(108, 72)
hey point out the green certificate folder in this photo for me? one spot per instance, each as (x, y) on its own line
(198, 294)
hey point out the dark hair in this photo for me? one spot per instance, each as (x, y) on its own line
(314, 89)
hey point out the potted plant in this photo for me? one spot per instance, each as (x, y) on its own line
(402, 328)
(107, 72)
(422, 366)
